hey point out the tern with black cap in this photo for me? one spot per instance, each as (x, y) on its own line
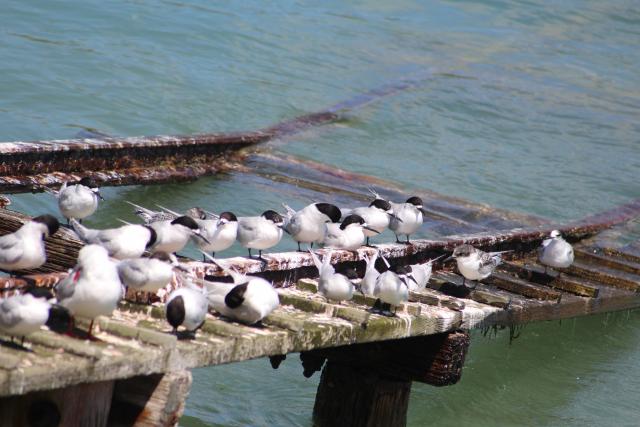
(348, 235)
(307, 225)
(260, 232)
(408, 218)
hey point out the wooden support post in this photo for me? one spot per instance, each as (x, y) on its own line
(150, 401)
(83, 405)
(349, 396)
(369, 384)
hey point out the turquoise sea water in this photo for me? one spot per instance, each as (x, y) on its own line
(531, 106)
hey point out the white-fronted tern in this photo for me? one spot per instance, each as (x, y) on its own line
(308, 224)
(220, 232)
(24, 249)
(173, 235)
(408, 217)
(368, 283)
(127, 241)
(555, 252)
(377, 215)
(333, 286)
(348, 235)
(421, 273)
(475, 264)
(147, 274)
(187, 307)
(248, 299)
(260, 232)
(93, 286)
(78, 200)
(22, 315)
(392, 288)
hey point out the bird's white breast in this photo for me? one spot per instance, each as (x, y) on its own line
(391, 290)
(411, 219)
(77, 201)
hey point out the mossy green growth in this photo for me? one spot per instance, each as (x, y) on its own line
(301, 303)
(307, 285)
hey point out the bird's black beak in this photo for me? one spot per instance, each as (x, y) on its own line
(394, 216)
(366, 227)
(424, 211)
(448, 259)
(413, 278)
(199, 235)
(404, 282)
(97, 193)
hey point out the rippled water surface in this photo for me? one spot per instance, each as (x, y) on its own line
(530, 106)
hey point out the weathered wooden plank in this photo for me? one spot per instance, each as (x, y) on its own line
(535, 273)
(597, 256)
(608, 276)
(522, 287)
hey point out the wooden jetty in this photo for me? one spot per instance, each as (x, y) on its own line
(137, 373)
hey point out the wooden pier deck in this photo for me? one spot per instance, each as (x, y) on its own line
(136, 370)
(137, 341)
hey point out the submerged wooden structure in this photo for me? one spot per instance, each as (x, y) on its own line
(137, 372)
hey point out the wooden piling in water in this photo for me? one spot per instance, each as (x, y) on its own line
(369, 384)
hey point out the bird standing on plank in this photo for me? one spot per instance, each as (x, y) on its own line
(421, 273)
(79, 200)
(369, 281)
(187, 306)
(220, 233)
(148, 274)
(173, 235)
(392, 288)
(260, 232)
(21, 315)
(308, 224)
(333, 286)
(555, 252)
(408, 218)
(475, 264)
(93, 286)
(348, 235)
(377, 215)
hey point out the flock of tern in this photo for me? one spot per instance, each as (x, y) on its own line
(142, 257)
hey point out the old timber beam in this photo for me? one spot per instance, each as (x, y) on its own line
(31, 166)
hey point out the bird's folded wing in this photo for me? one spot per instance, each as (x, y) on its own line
(9, 312)
(11, 249)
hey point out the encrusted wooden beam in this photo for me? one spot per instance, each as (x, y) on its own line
(30, 166)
